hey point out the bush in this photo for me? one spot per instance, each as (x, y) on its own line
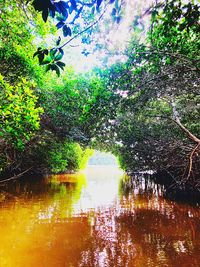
(63, 156)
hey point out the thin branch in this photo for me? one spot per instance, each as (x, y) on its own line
(86, 29)
(189, 134)
(162, 52)
(16, 176)
(191, 161)
(178, 122)
(24, 9)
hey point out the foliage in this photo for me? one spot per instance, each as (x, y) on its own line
(18, 40)
(52, 61)
(158, 120)
(19, 114)
(64, 157)
(175, 26)
(74, 18)
(73, 103)
(55, 156)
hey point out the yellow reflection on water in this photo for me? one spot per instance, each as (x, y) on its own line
(96, 218)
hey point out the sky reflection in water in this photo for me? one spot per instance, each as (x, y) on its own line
(97, 218)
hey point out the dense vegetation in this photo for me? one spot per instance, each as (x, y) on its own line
(158, 122)
(145, 108)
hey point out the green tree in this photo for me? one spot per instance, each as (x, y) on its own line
(19, 116)
(157, 125)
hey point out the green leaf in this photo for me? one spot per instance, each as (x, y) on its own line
(58, 41)
(53, 51)
(45, 15)
(73, 4)
(99, 3)
(58, 57)
(61, 64)
(48, 67)
(35, 54)
(46, 61)
(46, 51)
(114, 11)
(56, 68)
(66, 31)
(40, 57)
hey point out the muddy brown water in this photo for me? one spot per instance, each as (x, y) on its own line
(97, 218)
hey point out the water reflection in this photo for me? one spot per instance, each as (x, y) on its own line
(97, 218)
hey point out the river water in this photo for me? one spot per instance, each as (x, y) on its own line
(99, 218)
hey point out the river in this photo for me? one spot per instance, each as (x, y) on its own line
(98, 218)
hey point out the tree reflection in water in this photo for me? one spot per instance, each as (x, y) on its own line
(88, 221)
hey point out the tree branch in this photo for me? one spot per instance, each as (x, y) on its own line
(16, 176)
(191, 161)
(178, 122)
